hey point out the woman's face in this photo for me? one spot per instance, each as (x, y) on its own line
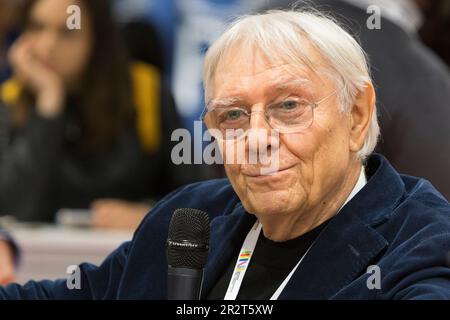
(64, 51)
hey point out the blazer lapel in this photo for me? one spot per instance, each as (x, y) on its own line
(341, 252)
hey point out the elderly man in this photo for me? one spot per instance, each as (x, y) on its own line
(328, 221)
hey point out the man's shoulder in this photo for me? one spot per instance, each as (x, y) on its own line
(420, 218)
(403, 198)
(424, 203)
(418, 234)
(407, 211)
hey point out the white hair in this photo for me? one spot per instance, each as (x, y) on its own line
(285, 36)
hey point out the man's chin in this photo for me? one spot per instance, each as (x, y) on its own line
(270, 204)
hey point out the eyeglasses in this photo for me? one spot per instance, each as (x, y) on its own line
(291, 115)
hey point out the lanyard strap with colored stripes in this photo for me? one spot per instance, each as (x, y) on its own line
(243, 261)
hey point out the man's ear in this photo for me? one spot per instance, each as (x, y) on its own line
(361, 116)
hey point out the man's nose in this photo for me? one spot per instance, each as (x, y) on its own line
(258, 118)
(259, 134)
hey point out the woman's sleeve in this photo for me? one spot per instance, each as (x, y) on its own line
(27, 162)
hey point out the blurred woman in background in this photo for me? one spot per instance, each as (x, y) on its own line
(9, 13)
(80, 122)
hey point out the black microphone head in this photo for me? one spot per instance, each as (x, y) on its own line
(188, 239)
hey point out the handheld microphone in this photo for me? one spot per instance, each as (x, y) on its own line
(187, 253)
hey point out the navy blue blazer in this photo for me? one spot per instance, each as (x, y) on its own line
(399, 223)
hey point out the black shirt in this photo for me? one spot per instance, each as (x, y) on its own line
(270, 264)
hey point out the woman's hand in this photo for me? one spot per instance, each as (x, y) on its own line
(117, 214)
(6, 263)
(41, 79)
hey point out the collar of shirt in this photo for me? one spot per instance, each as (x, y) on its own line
(362, 180)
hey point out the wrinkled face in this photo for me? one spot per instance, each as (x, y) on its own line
(64, 51)
(312, 163)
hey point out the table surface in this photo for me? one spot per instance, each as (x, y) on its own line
(47, 251)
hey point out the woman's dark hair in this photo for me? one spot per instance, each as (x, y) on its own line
(104, 100)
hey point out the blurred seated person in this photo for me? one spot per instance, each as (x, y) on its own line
(9, 16)
(8, 258)
(79, 121)
(140, 38)
(6, 264)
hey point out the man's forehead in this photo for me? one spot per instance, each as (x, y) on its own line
(246, 71)
(278, 80)
(235, 92)
(288, 82)
(269, 73)
(252, 58)
(250, 66)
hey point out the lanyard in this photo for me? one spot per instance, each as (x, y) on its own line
(244, 260)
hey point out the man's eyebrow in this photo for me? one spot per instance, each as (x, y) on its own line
(278, 86)
(223, 102)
